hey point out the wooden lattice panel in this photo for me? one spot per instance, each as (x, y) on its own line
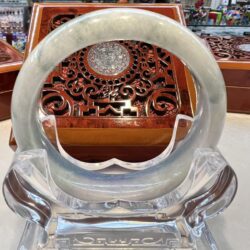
(146, 88)
(136, 104)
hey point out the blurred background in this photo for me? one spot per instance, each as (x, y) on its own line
(219, 17)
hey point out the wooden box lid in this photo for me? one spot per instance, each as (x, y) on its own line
(10, 63)
(233, 56)
(10, 58)
(231, 52)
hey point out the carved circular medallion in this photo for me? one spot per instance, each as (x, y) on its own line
(109, 58)
(244, 47)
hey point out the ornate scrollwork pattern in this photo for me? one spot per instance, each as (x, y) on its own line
(142, 86)
(229, 48)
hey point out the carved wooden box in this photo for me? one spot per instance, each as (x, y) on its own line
(233, 57)
(104, 109)
(10, 63)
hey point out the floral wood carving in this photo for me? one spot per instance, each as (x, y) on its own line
(145, 86)
(229, 48)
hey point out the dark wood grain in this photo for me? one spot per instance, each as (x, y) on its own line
(238, 99)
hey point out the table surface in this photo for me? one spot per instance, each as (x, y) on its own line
(229, 229)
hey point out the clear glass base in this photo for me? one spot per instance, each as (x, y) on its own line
(116, 235)
(175, 221)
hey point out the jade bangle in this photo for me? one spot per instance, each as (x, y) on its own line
(109, 25)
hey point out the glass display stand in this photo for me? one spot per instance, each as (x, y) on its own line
(176, 220)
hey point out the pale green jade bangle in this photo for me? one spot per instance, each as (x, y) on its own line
(110, 25)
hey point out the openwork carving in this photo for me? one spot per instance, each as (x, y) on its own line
(141, 83)
(4, 57)
(229, 48)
